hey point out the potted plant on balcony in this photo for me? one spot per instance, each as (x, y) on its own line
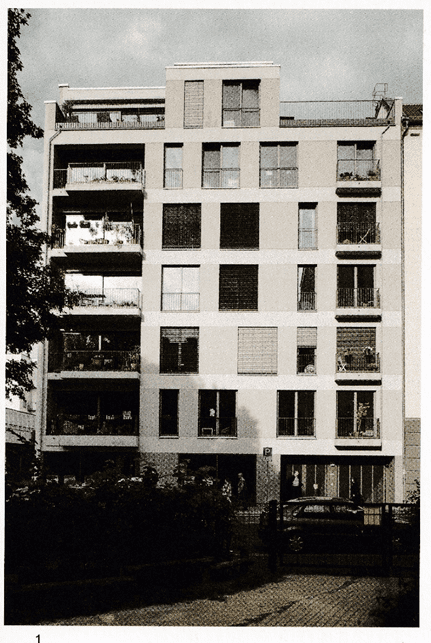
(361, 413)
(134, 358)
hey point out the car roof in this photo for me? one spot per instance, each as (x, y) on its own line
(319, 499)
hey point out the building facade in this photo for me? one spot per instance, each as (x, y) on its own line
(239, 261)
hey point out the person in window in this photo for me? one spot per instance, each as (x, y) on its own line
(293, 486)
(355, 493)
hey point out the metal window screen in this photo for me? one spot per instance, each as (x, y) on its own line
(257, 351)
(193, 103)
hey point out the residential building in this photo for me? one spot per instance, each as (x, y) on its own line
(240, 264)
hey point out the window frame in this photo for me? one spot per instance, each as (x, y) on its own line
(182, 292)
(264, 363)
(241, 109)
(167, 360)
(179, 170)
(296, 425)
(165, 416)
(307, 350)
(279, 166)
(221, 172)
(356, 429)
(197, 120)
(302, 207)
(245, 287)
(306, 304)
(191, 238)
(215, 425)
(239, 226)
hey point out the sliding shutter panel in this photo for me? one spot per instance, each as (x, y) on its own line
(307, 337)
(238, 287)
(257, 351)
(193, 103)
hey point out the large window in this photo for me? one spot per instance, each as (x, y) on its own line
(355, 414)
(355, 287)
(180, 288)
(220, 166)
(356, 161)
(357, 223)
(257, 351)
(181, 226)
(295, 413)
(356, 349)
(241, 103)
(306, 288)
(179, 351)
(278, 165)
(168, 417)
(307, 226)
(173, 177)
(217, 413)
(306, 350)
(193, 104)
(239, 226)
(238, 289)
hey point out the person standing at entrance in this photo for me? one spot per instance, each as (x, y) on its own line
(293, 486)
(242, 491)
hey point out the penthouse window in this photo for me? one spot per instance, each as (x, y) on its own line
(278, 165)
(241, 103)
(181, 226)
(238, 288)
(257, 351)
(179, 350)
(239, 226)
(220, 166)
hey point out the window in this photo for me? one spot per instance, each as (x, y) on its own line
(307, 226)
(180, 288)
(356, 350)
(355, 414)
(181, 226)
(356, 161)
(241, 103)
(278, 165)
(173, 166)
(355, 287)
(238, 289)
(217, 413)
(168, 416)
(306, 350)
(356, 223)
(306, 288)
(220, 166)
(296, 413)
(239, 226)
(179, 350)
(193, 104)
(257, 351)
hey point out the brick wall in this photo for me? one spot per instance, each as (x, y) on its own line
(412, 440)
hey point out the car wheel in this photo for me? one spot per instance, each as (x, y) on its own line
(296, 543)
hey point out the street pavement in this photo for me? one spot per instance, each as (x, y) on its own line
(291, 600)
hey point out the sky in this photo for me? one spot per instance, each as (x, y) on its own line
(324, 54)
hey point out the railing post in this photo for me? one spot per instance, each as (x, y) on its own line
(273, 536)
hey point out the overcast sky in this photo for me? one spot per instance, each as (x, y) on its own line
(324, 54)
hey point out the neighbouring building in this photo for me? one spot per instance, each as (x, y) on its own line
(240, 264)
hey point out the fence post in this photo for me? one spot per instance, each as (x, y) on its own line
(272, 532)
(386, 536)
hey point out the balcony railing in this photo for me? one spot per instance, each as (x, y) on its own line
(307, 239)
(217, 427)
(116, 234)
(340, 113)
(112, 120)
(94, 360)
(112, 173)
(358, 233)
(358, 428)
(220, 178)
(358, 170)
(358, 298)
(296, 426)
(283, 177)
(78, 424)
(180, 301)
(110, 298)
(174, 178)
(361, 362)
(307, 301)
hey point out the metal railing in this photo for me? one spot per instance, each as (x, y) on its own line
(241, 117)
(329, 112)
(220, 178)
(358, 298)
(357, 428)
(217, 427)
(112, 120)
(307, 239)
(112, 234)
(307, 301)
(79, 424)
(180, 301)
(173, 178)
(118, 172)
(358, 233)
(358, 362)
(110, 298)
(93, 360)
(283, 177)
(358, 170)
(296, 426)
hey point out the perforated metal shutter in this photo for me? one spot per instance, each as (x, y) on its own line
(355, 339)
(238, 288)
(257, 351)
(193, 103)
(307, 337)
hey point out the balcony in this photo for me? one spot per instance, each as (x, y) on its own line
(221, 178)
(100, 176)
(78, 424)
(296, 427)
(358, 432)
(357, 239)
(307, 301)
(362, 364)
(352, 113)
(114, 301)
(87, 363)
(111, 120)
(358, 177)
(217, 427)
(358, 304)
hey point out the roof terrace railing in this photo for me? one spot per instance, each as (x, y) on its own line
(111, 120)
(340, 113)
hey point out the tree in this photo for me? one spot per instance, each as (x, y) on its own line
(35, 293)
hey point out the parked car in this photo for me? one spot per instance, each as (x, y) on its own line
(314, 520)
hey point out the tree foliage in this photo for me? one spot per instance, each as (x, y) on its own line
(35, 292)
